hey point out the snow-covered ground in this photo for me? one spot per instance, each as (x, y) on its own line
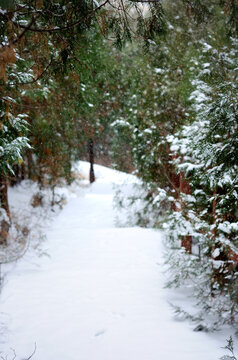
(99, 293)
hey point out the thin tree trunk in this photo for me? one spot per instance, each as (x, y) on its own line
(184, 187)
(91, 160)
(4, 225)
(3, 194)
(29, 164)
(23, 171)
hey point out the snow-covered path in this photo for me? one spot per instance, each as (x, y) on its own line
(100, 295)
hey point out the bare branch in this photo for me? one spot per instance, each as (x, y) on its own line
(26, 29)
(32, 354)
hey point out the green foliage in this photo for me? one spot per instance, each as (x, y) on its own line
(206, 153)
(179, 117)
(230, 347)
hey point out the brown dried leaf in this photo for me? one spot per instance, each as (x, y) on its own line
(7, 56)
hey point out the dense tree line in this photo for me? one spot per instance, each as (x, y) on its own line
(55, 84)
(182, 126)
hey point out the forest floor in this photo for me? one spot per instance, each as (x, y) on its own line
(97, 292)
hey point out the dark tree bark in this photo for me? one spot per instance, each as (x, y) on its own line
(91, 160)
(29, 164)
(3, 194)
(4, 225)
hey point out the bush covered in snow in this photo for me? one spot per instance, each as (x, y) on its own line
(185, 151)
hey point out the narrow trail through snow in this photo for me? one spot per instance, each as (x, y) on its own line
(100, 295)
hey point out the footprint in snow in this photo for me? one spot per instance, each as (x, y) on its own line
(99, 333)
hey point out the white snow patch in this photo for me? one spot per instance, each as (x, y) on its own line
(99, 295)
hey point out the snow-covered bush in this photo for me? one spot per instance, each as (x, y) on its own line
(230, 347)
(205, 152)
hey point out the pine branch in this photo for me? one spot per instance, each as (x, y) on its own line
(35, 79)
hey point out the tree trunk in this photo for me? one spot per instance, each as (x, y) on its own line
(186, 243)
(23, 171)
(4, 225)
(91, 160)
(3, 194)
(184, 187)
(30, 164)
